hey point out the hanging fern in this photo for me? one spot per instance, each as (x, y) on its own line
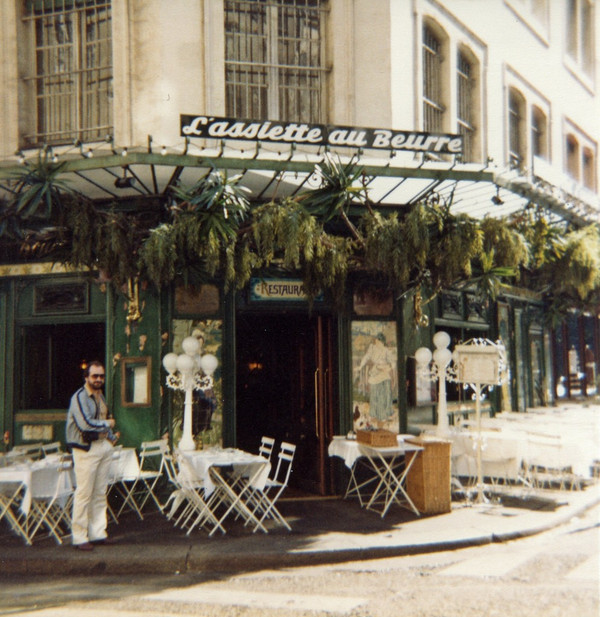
(577, 271)
(158, 255)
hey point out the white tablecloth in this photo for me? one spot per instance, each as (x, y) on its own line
(350, 449)
(246, 464)
(502, 453)
(125, 465)
(39, 479)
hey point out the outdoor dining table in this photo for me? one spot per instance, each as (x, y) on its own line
(229, 477)
(386, 470)
(24, 482)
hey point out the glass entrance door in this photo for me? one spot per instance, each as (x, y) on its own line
(285, 376)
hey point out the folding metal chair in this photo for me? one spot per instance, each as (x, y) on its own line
(11, 495)
(267, 444)
(266, 498)
(197, 512)
(124, 481)
(51, 448)
(31, 451)
(52, 495)
(152, 464)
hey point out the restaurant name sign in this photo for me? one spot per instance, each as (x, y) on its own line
(285, 290)
(300, 133)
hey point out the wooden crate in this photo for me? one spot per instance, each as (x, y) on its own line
(429, 481)
(378, 439)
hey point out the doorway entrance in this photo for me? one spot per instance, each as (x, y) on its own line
(286, 371)
(52, 356)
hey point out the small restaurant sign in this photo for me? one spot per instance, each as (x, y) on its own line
(301, 133)
(281, 290)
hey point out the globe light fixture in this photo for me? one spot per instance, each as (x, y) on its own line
(189, 371)
(436, 366)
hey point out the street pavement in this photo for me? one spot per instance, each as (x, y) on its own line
(324, 530)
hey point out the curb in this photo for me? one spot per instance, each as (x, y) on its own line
(192, 558)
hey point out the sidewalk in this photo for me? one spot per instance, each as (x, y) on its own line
(323, 531)
(327, 530)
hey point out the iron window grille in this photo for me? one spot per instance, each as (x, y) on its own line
(274, 59)
(69, 93)
(433, 107)
(466, 105)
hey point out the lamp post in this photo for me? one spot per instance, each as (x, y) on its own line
(434, 367)
(189, 371)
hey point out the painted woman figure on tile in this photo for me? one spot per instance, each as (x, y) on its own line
(379, 361)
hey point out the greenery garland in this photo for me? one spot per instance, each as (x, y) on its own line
(322, 234)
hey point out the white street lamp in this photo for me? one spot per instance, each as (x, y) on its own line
(189, 371)
(439, 369)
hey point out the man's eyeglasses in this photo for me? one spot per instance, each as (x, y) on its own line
(96, 376)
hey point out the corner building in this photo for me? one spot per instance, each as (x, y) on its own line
(113, 90)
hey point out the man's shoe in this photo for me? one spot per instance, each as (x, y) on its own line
(105, 541)
(86, 546)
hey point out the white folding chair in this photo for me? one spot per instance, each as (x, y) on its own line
(51, 448)
(126, 476)
(267, 444)
(152, 466)
(11, 496)
(31, 451)
(197, 511)
(52, 495)
(266, 498)
(546, 465)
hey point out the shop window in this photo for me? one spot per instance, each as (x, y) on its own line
(516, 128)
(434, 108)
(66, 71)
(539, 133)
(467, 103)
(580, 34)
(274, 59)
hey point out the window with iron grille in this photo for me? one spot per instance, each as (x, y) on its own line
(580, 34)
(274, 59)
(433, 107)
(516, 122)
(466, 104)
(67, 88)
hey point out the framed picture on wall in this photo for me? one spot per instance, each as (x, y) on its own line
(375, 375)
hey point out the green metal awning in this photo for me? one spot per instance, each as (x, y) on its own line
(266, 172)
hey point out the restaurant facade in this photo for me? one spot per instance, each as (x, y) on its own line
(297, 366)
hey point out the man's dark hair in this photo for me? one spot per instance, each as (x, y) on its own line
(86, 370)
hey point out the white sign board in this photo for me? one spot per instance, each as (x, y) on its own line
(477, 364)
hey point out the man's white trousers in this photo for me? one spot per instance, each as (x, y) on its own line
(89, 505)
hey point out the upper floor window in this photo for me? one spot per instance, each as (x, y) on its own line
(539, 8)
(580, 159)
(274, 59)
(467, 105)
(66, 71)
(539, 133)
(516, 128)
(433, 95)
(580, 34)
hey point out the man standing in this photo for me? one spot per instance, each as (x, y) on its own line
(90, 438)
